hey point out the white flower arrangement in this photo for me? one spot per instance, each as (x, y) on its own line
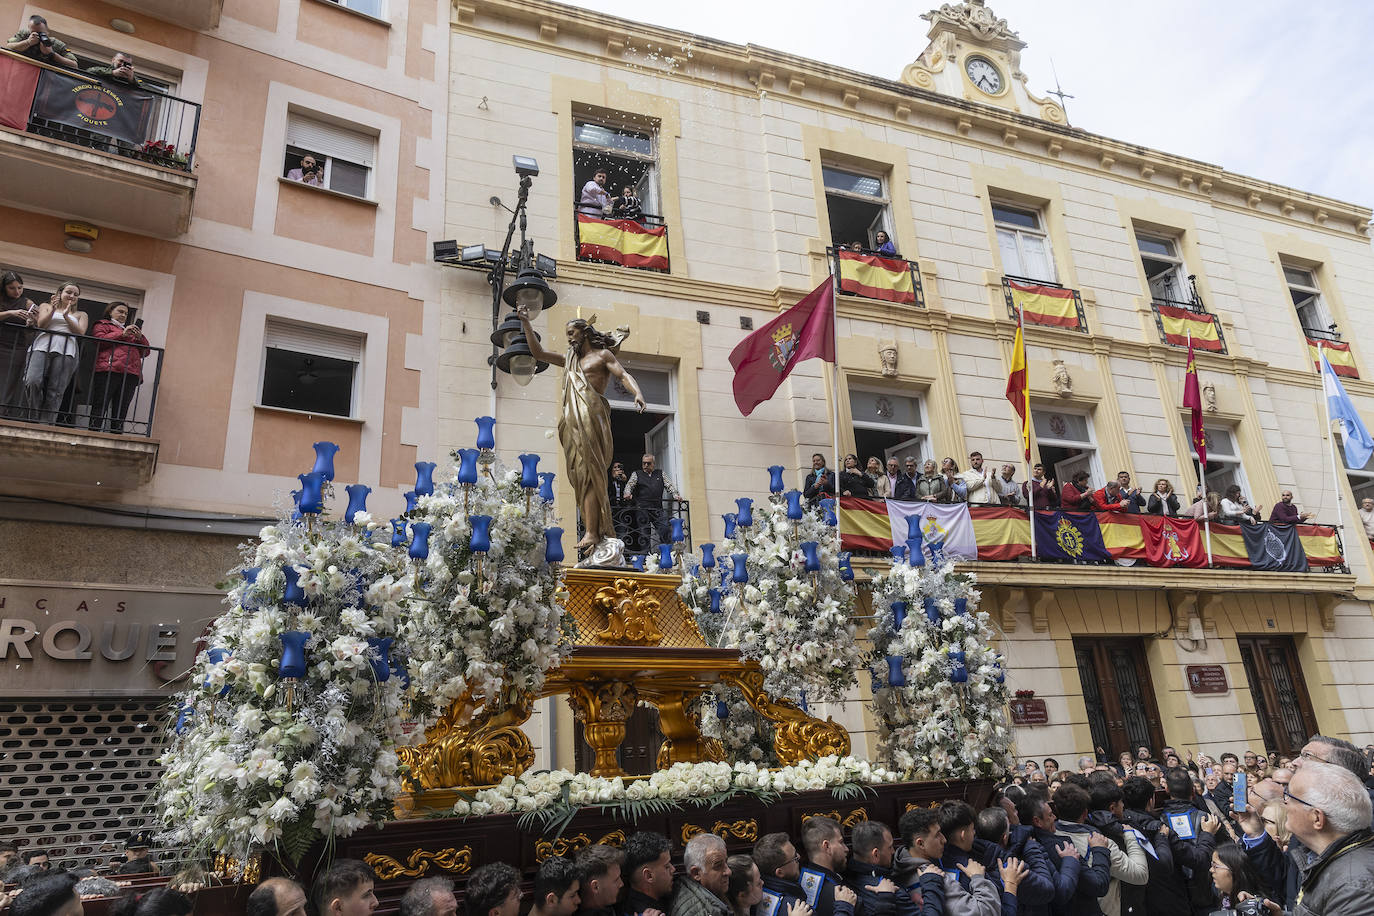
(949, 719)
(255, 760)
(486, 628)
(745, 736)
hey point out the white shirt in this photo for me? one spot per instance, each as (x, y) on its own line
(1367, 517)
(1236, 510)
(1009, 490)
(979, 483)
(595, 200)
(62, 346)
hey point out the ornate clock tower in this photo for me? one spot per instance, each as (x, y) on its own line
(974, 55)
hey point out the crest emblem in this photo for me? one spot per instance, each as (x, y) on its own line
(784, 345)
(96, 104)
(934, 532)
(1069, 538)
(1273, 546)
(1175, 551)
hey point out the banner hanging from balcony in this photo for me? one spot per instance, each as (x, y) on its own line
(114, 111)
(875, 524)
(1337, 354)
(1049, 305)
(18, 79)
(1158, 540)
(1176, 324)
(622, 241)
(872, 277)
(1073, 536)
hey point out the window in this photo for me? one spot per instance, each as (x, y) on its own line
(627, 150)
(1065, 442)
(1025, 247)
(310, 368)
(1362, 481)
(374, 8)
(344, 155)
(1164, 270)
(857, 205)
(1307, 300)
(888, 425)
(634, 435)
(1223, 462)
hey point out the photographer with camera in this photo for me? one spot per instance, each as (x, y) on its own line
(1240, 890)
(35, 42)
(310, 172)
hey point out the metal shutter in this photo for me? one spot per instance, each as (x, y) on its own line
(331, 140)
(314, 339)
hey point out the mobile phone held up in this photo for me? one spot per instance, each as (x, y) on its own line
(138, 323)
(1239, 792)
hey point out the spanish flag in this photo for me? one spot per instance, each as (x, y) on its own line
(873, 277)
(1337, 354)
(1049, 305)
(622, 241)
(1319, 541)
(1018, 389)
(1179, 324)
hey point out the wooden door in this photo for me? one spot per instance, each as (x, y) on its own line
(1118, 694)
(1279, 691)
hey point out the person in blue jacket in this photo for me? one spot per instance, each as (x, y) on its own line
(869, 872)
(1037, 887)
(884, 245)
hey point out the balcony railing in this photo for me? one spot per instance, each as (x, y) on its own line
(1054, 305)
(643, 528)
(869, 275)
(1329, 334)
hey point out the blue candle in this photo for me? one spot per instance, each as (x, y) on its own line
(486, 436)
(398, 532)
(293, 653)
(424, 478)
(740, 573)
(913, 552)
(810, 552)
(665, 556)
(898, 615)
(481, 533)
(546, 485)
(411, 498)
(959, 674)
(324, 460)
(529, 471)
(312, 493)
(722, 709)
(296, 505)
(675, 525)
(553, 545)
(913, 528)
(293, 593)
(932, 611)
(961, 605)
(937, 553)
(357, 500)
(745, 517)
(898, 552)
(794, 505)
(379, 654)
(708, 556)
(419, 541)
(217, 657)
(828, 507)
(184, 717)
(467, 465)
(998, 673)
(715, 595)
(250, 576)
(637, 561)
(729, 524)
(775, 484)
(896, 677)
(846, 568)
(801, 701)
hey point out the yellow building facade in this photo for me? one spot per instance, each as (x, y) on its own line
(757, 163)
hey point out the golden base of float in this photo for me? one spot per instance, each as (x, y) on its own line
(636, 642)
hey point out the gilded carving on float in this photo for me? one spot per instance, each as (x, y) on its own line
(855, 816)
(799, 736)
(568, 845)
(467, 750)
(455, 860)
(630, 613)
(746, 829)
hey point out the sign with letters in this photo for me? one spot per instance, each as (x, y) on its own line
(1207, 679)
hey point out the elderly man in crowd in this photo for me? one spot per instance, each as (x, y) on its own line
(701, 892)
(1367, 517)
(280, 897)
(1008, 488)
(34, 41)
(1328, 809)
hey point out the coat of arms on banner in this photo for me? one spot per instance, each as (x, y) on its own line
(933, 531)
(1175, 551)
(1274, 548)
(784, 345)
(1069, 538)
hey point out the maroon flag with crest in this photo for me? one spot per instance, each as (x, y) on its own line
(1192, 399)
(766, 357)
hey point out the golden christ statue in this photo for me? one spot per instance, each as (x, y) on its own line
(584, 426)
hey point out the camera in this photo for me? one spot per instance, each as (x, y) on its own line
(44, 39)
(1254, 906)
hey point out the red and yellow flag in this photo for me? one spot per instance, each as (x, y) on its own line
(622, 241)
(873, 277)
(1018, 388)
(1181, 324)
(1337, 354)
(1049, 305)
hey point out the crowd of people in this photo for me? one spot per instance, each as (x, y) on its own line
(41, 348)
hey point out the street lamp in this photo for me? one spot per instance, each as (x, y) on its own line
(510, 350)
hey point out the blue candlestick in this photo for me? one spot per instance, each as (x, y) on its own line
(745, 517)
(296, 506)
(357, 500)
(913, 552)
(324, 460)
(217, 657)
(293, 653)
(553, 545)
(486, 435)
(379, 654)
(801, 701)
(637, 561)
(937, 553)
(675, 527)
(467, 465)
(896, 677)
(795, 509)
(828, 507)
(411, 498)
(740, 573)
(898, 615)
(846, 568)
(913, 527)
(961, 605)
(293, 593)
(722, 709)
(665, 556)
(184, 717)
(932, 611)
(715, 595)
(424, 478)
(250, 576)
(708, 556)
(546, 486)
(898, 552)
(399, 670)
(999, 674)
(398, 532)
(481, 533)
(529, 471)
(730, 522)
(775, 484)
(811, 553)
(959, 674)
(419, 541)
(312, 493)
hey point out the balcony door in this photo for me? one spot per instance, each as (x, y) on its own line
(1118, 694)
(1279, 691)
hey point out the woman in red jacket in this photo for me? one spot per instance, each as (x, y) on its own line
(118, 367)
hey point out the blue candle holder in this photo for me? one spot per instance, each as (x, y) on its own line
(937, 553)
(846, 568)
(486, 433)
(932, 610)
(801, 701)
(529, 471)
(312, 493)
(730, 522)
(411, 499)
(740, 574)
(795, 510)
(553, 545)
(398, 532)
(715, 595)
(722, 709)
(913, 553)
(546, 485)
(828, 508)
(708, 556)
(811, 555)
(913, 528)
(357, 500)
(481, 533)
(898, 615)
(896, 677)
(250, 576)
(379, 654)
(961, 605)
(293, 593)
(999, 674)
(324, 460)
(675, 527)
(898, 552)
(184, 719)
(665, 556)
(775, 484)
(637, 561)
(745, 517)
(293, 654)
(467, 466)
(959, 674)
(419, 540)
(424, 478)
(217, 657)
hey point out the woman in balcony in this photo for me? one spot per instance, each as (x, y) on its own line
(53, 354)
(853, 481)
(1163, 501)
(884, 245)
(17, 312)
(118, 367)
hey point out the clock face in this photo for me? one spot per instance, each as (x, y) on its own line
(983, 75)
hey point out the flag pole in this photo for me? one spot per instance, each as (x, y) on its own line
(1331, 438)
(835, 403)
(1025, 431)
(1201, 471)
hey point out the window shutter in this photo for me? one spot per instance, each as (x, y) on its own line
(330, 140)
(313, 339)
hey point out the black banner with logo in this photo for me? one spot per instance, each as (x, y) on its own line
(103, 108)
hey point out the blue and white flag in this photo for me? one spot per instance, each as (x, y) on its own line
(1358, 444)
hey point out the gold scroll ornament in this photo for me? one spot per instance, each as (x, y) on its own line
(479, 753)
(746, 829)
(630, 612)
(797, 736)
(563, 846)
(854, 817)
(458, 861)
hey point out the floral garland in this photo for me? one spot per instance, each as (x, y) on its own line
(938, 685)
(486, 625)
(288, 734)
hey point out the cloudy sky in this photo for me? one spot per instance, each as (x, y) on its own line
(1276, 89)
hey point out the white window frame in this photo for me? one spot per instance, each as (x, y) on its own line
(89, 290)
(316, 340)
(1232, 464)
(671, 463)
(355, 4)
(1318, 302)
(1096, 476)
(1017, 235)
(321, 145)
(1178, 276)
(648, 191)
(917, 434)
(883, 221)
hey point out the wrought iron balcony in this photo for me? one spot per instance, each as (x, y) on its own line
(643, 528)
